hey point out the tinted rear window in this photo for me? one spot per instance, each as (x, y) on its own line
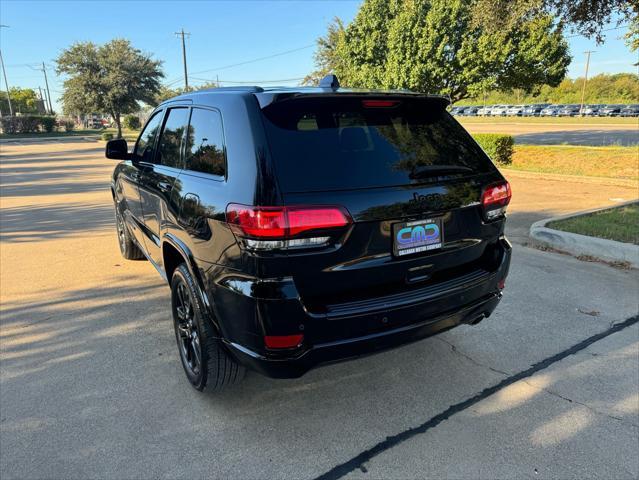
(339, 143)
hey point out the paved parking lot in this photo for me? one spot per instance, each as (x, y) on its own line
(561, 133)
(91, 384)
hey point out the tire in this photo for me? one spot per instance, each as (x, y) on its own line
(128, 248)
(205, 362)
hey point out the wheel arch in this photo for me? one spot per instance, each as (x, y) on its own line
(175, 252)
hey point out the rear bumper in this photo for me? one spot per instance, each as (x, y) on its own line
(296, 366)
(367, 328)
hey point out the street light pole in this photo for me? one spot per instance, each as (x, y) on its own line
(4, 73)
(583, 90)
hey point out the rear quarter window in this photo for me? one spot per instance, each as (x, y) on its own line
(339, 143)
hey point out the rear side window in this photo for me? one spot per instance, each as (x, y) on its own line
(205, 146)
(172, 137)
(353, 142)
(146, 141)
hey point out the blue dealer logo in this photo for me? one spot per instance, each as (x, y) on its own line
(418, 235)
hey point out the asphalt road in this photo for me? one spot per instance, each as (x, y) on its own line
(562, 134)
(91, 385)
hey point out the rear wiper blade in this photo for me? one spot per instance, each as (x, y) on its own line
(434, 170)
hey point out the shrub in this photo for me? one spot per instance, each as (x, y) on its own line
(106, 136)
(499, 147)
(68, 125)
(28, 123)
(131, 122)
(47, 123)
(8, 124)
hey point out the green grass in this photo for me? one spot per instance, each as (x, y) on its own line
(129, 135)
(619, 223)
(610, 162)
(552, 120)
(51, 134)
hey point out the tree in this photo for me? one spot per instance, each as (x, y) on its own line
(587, 17)
(632, 36)
(165, 93)
(110, 78)
(433, 46)
(23, 100)
(325, 57)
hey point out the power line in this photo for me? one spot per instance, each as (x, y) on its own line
(259, 59)
(248, 82)
(246, 62)
(605, 30)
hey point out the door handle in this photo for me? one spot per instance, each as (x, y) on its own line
(166, 187)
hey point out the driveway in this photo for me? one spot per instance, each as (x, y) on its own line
(91, 384)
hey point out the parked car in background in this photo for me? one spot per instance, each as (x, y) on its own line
(610, 110)
(499, 110)
(534, 110)
(629, 111)
(591, 110)
(551, 110)
(515, 111)
(568, 110)
(456, 110)
(484, 111)
(471, 112)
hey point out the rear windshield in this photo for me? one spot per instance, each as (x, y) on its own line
(345, 143)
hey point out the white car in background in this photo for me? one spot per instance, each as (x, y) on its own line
(484, 111)
(515, 110)
(499, 110)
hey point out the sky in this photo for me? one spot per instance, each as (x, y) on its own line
(222, 34)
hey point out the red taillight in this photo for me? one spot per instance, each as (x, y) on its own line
(379, 103)
(283, 222)
(283, 341)
(496, 195)
(494, 200)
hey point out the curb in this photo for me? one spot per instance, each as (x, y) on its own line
(47, 139)
(583, 245)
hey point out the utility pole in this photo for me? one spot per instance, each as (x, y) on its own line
(4, 73)
(182, 34)
(44, 102)
(46, 82)
(583, 90)
(41, 97)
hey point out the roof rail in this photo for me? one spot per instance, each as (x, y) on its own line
(248, 89)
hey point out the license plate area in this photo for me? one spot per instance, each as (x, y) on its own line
(419, 236)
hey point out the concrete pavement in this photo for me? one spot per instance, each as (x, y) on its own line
(91, 384)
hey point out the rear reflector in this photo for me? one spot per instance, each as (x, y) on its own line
(283, 222)
(379, 103)
(283, 341)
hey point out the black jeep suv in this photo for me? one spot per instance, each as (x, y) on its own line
(298, 226)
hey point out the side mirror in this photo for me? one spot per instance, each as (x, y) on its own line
(117, 149)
